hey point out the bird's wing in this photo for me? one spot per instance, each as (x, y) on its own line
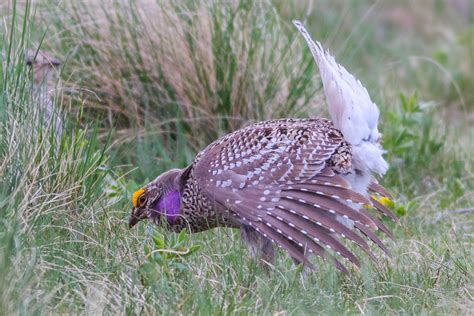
(350, 106)
(273, 176)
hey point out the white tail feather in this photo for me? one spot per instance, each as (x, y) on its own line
(350, 106)
(352, 111)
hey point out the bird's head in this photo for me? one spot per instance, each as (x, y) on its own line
(42, 64)
(160, 199)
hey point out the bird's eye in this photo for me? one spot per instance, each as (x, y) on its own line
(141, 201)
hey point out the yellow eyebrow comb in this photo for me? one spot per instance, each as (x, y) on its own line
(136, 195)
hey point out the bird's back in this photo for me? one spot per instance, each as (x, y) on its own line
(266, 151)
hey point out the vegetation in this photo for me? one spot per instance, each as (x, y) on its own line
(147, 84)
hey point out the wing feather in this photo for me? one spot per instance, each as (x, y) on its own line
(307, 243)
(379, 224)
(375, 187)
(327, 205)
(321, 235)
(330, 191)
(329, 224)
(367, 232)
(282, 241)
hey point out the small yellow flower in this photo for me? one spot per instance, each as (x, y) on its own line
(384, 200)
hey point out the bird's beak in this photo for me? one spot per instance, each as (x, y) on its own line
(133, 219)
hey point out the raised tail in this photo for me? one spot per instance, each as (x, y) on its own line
(350, 106)
(351, 109)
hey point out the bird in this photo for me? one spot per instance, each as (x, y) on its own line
(308, 186)
(43, 66)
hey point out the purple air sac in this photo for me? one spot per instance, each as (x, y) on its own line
(169, 205)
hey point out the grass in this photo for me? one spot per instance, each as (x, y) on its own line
(147, 84)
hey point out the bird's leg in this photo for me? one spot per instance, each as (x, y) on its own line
(259, 247)
(268, 253)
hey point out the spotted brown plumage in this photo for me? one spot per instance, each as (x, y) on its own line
(296, 183)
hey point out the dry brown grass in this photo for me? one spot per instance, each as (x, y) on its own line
(212, 64)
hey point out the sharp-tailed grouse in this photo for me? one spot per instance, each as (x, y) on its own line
(301, 184)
